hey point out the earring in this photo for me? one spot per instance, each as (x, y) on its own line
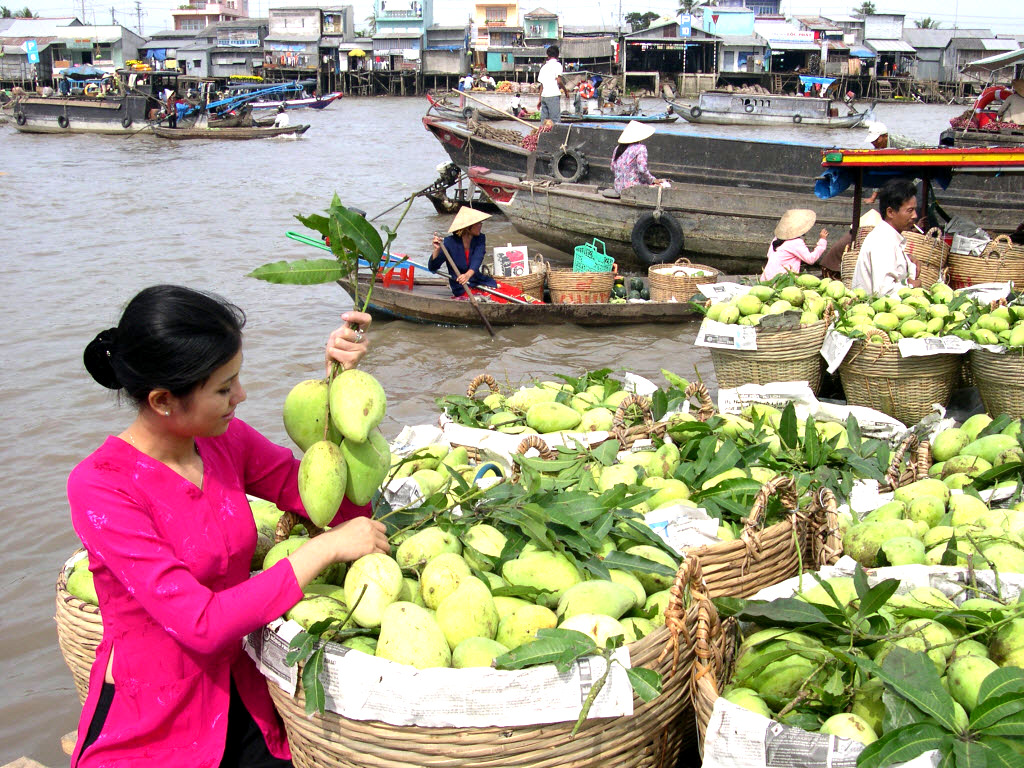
(167, 413)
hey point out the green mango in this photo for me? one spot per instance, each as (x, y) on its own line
(467, 612)
(670, 491)
(904, 550)
(631, 582)
(322, 479)
(366, 465)
(658, 602)
(965, 676)
(375, 581)
(748, 699)
(477, 652)
(332, 591)
(430, 481)
(521, 625)
(506, 605)
(411, 592)
(975, 424)
(847, 725)
(81, 585)
(361, 643)
(927, 487)
(654, 582)
(456, 457)
(990, 446)
(550, 571)
(442, 576)
(424, 545)
(483, 539)
(358, 404)
(310, 610)
(966, 464)
(597, 626)
(410, 635)
(636, 628)
(528, 397)
(552, 417)
(596, 596)
(305, 408)
(597, 419)
(948, 443)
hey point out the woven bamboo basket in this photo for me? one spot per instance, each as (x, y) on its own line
(806, 540)
(783, 355)
(655, 735)
(919, 460)
(1005, 247)
(719, 650)
(849, 261)
(532, 283)
(79, 631)
(930, 252)
(965, 378)
(667, 286)
(992, 266)
(627, 434)
(1000, 380)
(876, 376)
(568, 287)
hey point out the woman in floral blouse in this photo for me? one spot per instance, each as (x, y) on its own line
(629, 160)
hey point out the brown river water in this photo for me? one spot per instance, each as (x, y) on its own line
(87, 221)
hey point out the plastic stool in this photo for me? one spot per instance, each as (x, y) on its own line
(395, 276)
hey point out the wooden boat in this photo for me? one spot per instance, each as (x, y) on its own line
(747, 180)
(732, 108)
(308, 103)
(972, 137)
(229, 133)
(449, 201)
(434, 304)
(572, 117)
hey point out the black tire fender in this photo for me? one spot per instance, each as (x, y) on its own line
(126, 121)
(643, 225)
(62, 121)
(569, 165)
(748, 108)
(469, 113)
(798, 119)
(696, 111)
(20, 118)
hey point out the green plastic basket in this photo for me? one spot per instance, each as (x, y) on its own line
(592, 257)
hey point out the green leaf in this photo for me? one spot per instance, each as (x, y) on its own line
(784, 612)
(912, 675)
(853, 433)
(726, 457)
(814, 453)
(788, 427)
(899, 712)
(299, 648)
(303, 272)
(1012, 721)
(1001, 682)
(1000, 754)
(363, 233)
(646, 683)
(623, 561)
(311, 684)
(994, 710)
(659, 405)
(968, 754)
(877, 596)
(901, 745)
(560, 647)
(606, 452)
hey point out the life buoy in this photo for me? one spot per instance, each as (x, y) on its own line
(62, 121)
(748, 108)
(668, 226)
(798, 119)
(990, 93)
(587, 89)
(92, 89)
(20, 118)
(569, 165)
(126, 121)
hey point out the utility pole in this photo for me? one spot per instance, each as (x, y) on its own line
(138, 15)
(112, 19)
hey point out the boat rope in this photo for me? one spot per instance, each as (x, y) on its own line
(657, 207)
(565, 143)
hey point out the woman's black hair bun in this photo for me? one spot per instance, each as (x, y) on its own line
(98, 358)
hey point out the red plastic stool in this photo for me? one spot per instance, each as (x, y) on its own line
(404, 276)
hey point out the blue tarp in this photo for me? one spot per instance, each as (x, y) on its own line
(83, 72)
(862, 53)
(835, 181)
(807, 81)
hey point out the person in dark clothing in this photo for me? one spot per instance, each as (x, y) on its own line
(467, 247)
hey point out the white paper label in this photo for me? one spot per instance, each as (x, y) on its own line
(942, 345)
(834, 349)
(723, 336)
(722, 291)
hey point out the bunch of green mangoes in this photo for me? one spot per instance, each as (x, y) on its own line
(962, 453)
(345, 455)
(424, 606)
(913, 313)
(810, 296)
(999, 325)
(775, 665)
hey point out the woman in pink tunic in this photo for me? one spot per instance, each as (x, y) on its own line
(788, 252)
(162, 511)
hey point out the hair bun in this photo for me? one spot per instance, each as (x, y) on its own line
(97, 358)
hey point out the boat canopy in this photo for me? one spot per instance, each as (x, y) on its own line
(994, 63)
(84, 72)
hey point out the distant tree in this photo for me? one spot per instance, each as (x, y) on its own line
(927, 23)
(371, 25)
(25, 13)
(686, 6)
(865, 9)
(5, 12)
(638, 21)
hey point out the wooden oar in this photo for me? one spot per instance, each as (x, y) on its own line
(507, 297)
(472, 298)
(505, 115)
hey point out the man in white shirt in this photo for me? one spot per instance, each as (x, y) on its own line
(282, 120)
(883, 266)
(552, 86)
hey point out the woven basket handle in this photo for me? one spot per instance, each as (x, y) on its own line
(288, 521)
(535, 441)
(700, 391)
(924, 458)
(689, 581)
(829, 314)
(934, 233)
(643, 403)
(782, 485)
(483, 378)
(826, 542)
(714, 649)
(682, 262)
(1002, 240)
(893, 474)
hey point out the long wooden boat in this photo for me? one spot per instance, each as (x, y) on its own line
(310, 103)
(571, 117)
(732, 108)
(434, 304)
(747, 180)
(232, 134)
(1004, 137)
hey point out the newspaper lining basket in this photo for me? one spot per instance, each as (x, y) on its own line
(655, 735)
(79, 631)
(806, 540)
(999, 377)
(666, 286)
(782, 355)
(930, 252)
(993, 266)
(569, 287)
(877, 376)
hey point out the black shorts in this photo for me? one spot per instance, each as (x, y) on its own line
(245, 747)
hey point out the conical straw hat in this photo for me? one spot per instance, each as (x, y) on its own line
(871, 219)
(467, 217)
(635, 131)
(794, 223)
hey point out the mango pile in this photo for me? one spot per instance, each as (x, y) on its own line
(913, 313)
(803, 293)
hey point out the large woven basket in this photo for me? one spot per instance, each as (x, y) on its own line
(849, 261)
(655, 735)
(876, 376)
(995, 265)
(930, 252)
(806, 540)
(669, 283)
(1000, 380)
(568, 287)
(79, 631)
(532, 283)
(781, 355)
(1005, 247)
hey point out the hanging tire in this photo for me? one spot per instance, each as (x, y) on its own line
(669, 242)
(748, 108)
(470, 113)
(696, 111)
(126, 122)
(569, 165)
(62, 121)
(797, 119)
(20, 118)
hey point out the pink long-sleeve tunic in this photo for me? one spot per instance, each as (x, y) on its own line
(790, 256)
(171, 565)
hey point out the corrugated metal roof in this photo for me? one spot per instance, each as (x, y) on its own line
(749, 41)
(586, 47)
(996, 44)
(794, 45)
(397, 36)
(890, 46)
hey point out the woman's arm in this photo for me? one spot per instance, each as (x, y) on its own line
(643, 174)
(810, 257)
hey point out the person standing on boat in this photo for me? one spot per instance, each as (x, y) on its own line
(467, 246)
(883, 266)
(1012, 110)
(282, 120)
(172, 109)
(788, 251)
(163, 513)
(629, 160)
(552, 86)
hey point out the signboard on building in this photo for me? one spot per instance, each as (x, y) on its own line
(79, 44)
(685, 25)
(32, 50)
(239, 40)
